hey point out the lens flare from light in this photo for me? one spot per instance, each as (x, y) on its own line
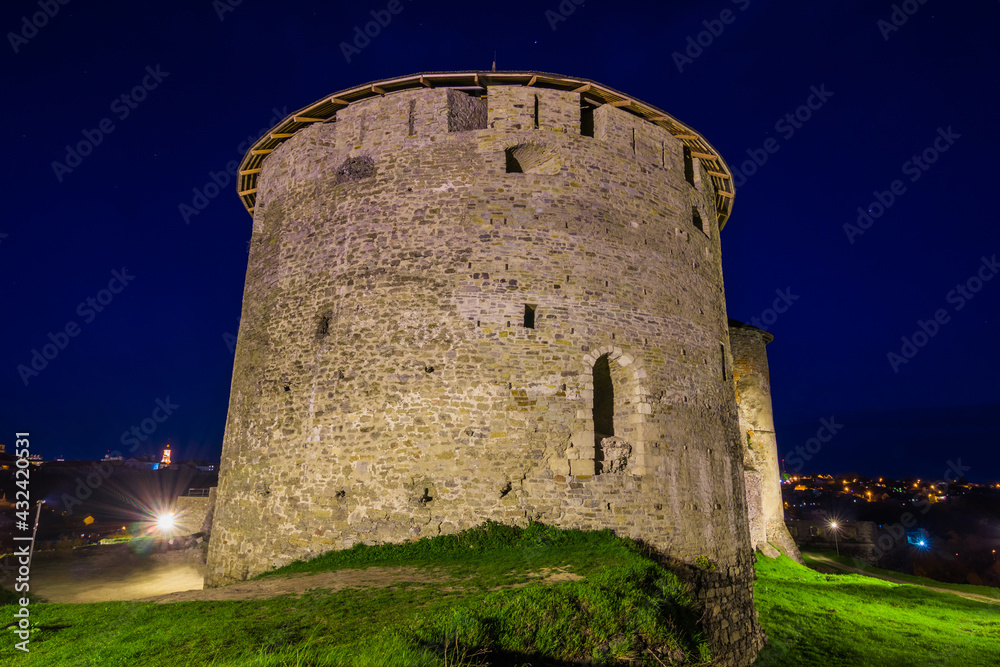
(165, 522)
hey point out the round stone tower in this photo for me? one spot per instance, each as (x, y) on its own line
(487, 295)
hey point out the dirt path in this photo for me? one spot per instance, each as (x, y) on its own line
(111, 572)
(968, 596)
(380, 577)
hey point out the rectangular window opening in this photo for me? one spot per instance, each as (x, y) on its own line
(529, 315)
(410, 118)
(536, 112)
(466, 111)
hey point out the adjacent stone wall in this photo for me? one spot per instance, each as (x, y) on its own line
(762, 474)
(386, 386)
(193, 513)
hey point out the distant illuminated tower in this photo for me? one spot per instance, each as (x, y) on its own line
(166, 458)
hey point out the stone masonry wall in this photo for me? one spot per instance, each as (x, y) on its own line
(192, 513)
(387, 385)
(762, 473)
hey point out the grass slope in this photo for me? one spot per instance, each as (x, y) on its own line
(851, 620)
(987, 591)
(626, 606)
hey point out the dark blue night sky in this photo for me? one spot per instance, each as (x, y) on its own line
(864, 139)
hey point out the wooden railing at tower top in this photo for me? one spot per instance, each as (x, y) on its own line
(326, 109)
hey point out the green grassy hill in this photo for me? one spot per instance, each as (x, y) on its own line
(853, 620)
(488, 596)
(485, 605)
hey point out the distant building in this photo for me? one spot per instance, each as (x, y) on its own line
(108, 457)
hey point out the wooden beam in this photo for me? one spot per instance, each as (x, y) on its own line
(582, 89)
(425, 82)
(686, 136)
(247, 172)
(376, 89)
(337, 100)
(704, 156)
(306, 119)
(532, 80)
(262, 151)
(717, 173)
(243, 193)
(621, 103)
(280, 135)
(723, 193)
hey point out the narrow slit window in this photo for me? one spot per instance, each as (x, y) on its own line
(536, 112)
(722, 352)
(410, 118)
(529, 315)
(604, 401)
(688, 166)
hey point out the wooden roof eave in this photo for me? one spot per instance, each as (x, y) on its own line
(325, 110)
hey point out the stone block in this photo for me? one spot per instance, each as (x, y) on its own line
(559, 466)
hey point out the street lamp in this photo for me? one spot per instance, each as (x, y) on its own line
(833, 525)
